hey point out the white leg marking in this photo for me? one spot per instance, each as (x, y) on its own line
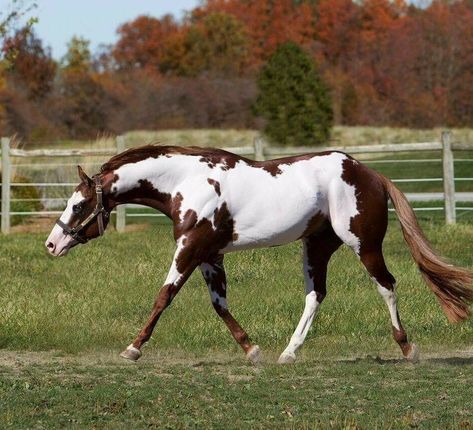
(310, 310)
(389, 297)
(297, 339)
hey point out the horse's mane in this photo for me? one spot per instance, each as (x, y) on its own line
(134, 155)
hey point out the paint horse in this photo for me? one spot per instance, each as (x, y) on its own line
(220, 202)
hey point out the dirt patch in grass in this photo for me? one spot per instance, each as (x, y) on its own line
(219, 361)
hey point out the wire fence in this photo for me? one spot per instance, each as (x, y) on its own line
(39, 182)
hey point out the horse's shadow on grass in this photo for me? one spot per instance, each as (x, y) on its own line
(450, 361)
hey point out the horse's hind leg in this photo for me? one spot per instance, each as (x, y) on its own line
(359, 216)
(318, 248)
(374, 262)
(214, 275)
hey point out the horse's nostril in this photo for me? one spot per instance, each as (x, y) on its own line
(50, 245)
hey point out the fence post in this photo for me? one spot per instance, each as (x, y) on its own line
(121, 210)
(259, 148)
(5, 185)
(448, 178)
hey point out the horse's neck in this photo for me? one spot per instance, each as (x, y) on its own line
(152, 181)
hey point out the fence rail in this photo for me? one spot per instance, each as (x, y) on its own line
(259, 151)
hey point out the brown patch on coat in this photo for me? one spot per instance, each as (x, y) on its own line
(216, 185)
(146, 194)
(315, 224)
(273, 167)
(320, 247)
(209, 240)
(371, 222)
(213, 157)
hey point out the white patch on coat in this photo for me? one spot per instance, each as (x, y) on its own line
(61, 241)
(174, 276)
(267, 210)
(209, 272)
(343, 208)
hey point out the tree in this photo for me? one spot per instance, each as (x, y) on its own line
(18, 9)
(78, 57)
(293, 99)
(268, 23)
(31, 66)
(143, 42)
(81, 104)
(217, 44)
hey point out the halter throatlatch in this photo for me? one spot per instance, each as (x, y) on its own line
(99, 212)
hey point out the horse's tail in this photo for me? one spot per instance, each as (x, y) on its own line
(452, 285)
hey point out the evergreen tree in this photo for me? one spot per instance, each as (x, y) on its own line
(293, 99)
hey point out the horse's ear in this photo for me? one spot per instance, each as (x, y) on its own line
(84, 178)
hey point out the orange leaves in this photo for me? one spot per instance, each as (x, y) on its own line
(268, 23)
(142, 42)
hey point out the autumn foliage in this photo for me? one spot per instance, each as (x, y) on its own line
(384, 63)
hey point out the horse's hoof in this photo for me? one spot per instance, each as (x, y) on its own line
(413, 354)
(131, 353)
(287, 358)
(254, 354)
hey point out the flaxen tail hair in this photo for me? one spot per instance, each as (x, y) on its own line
(452, 285)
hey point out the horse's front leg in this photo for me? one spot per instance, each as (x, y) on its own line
(214, 275)
(182, 266)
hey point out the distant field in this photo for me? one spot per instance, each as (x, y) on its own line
(341, 135)
(85, 308)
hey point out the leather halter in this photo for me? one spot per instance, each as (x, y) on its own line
(99, 212)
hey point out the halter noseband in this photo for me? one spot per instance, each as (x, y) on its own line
(99, 212)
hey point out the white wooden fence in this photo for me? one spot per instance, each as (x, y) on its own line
(258, 151)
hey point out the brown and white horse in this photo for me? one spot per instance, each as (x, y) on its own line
(220, 202)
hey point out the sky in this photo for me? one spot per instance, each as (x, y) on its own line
(96, 20)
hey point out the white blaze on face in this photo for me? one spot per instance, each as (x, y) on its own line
(58, 243)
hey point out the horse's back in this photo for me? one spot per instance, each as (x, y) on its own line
(276, 202)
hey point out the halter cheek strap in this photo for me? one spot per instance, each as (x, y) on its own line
(99, 212)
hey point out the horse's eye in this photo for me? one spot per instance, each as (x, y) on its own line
(77, 208)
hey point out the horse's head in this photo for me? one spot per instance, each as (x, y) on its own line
(85, 217)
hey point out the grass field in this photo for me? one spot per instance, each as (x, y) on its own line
(64, 321)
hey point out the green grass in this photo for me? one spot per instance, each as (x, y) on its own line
(63, 322)
(101, 392)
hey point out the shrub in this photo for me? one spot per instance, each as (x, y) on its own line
(293, 99)
(28, 204)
